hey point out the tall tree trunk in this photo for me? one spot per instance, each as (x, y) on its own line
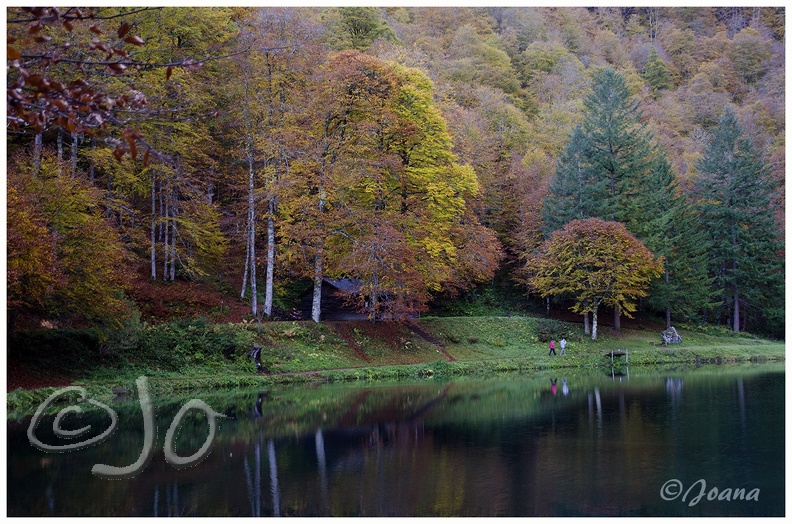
(247, 260)
(37, 148)
(668, 306)
(173, 244)
(268, 295)
(251, 238)
(616, 317)
(586, 325)
(74, 154)
(253, 288)
(60, 152)
(153, 226)
(736, 322)
(165, 243)
(594, 324)
(92, 164)
(316, 306)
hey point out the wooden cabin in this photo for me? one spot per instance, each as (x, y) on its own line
(335, 294)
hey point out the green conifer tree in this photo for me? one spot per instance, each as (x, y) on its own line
(736, 203)
(618, 146)
(573, 192)
(611, 169)
(656, 73)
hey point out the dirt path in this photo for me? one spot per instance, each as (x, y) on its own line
(421, 332)
(344, 332)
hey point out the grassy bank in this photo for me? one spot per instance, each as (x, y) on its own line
(196, 355)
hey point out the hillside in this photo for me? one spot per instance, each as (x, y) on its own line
(163, 163)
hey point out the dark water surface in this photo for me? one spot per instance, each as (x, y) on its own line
(592, 444)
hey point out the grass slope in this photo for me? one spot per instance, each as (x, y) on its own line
(193, 354)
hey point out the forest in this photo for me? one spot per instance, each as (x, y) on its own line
(621, 159)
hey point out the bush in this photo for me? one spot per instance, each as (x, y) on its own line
(548, 329)
(56, 347)
(185, 342)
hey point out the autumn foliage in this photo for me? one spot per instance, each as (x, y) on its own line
(595, 263)
(421, 151)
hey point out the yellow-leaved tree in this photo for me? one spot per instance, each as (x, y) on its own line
(596, 263)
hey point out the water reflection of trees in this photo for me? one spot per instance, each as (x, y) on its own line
(484, 448)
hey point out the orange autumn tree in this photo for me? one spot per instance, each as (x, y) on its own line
(597, 263)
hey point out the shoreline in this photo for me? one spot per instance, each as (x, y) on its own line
(21, 402)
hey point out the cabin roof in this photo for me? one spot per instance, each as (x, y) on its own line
(345, 285)
(351, 286)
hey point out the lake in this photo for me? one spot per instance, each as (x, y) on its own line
(566, 443)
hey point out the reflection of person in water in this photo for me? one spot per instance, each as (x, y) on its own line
(564, 388)
(553, 385)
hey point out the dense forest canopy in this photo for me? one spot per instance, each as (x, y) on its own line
(421, 151)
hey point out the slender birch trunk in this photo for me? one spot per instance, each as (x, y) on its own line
(74, 146)
(160, 225)
(253, 290)
(268, 295)
(594, 324)
(60, 153)
(173, 244)
(37, 147)
(250, 249)
(165, 243)
(153, 226)
(316, 307)
(247, 259)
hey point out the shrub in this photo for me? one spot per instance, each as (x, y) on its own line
(548, 329)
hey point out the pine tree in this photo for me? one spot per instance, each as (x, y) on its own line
(574, 193)
(606, 161)
(612, 170)
(618, 146)
(736, 204)
(685, 288)
(656, 73)
(664, 220)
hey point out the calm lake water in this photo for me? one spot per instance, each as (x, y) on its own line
(555, 445)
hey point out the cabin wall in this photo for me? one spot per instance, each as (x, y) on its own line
(333, 307)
